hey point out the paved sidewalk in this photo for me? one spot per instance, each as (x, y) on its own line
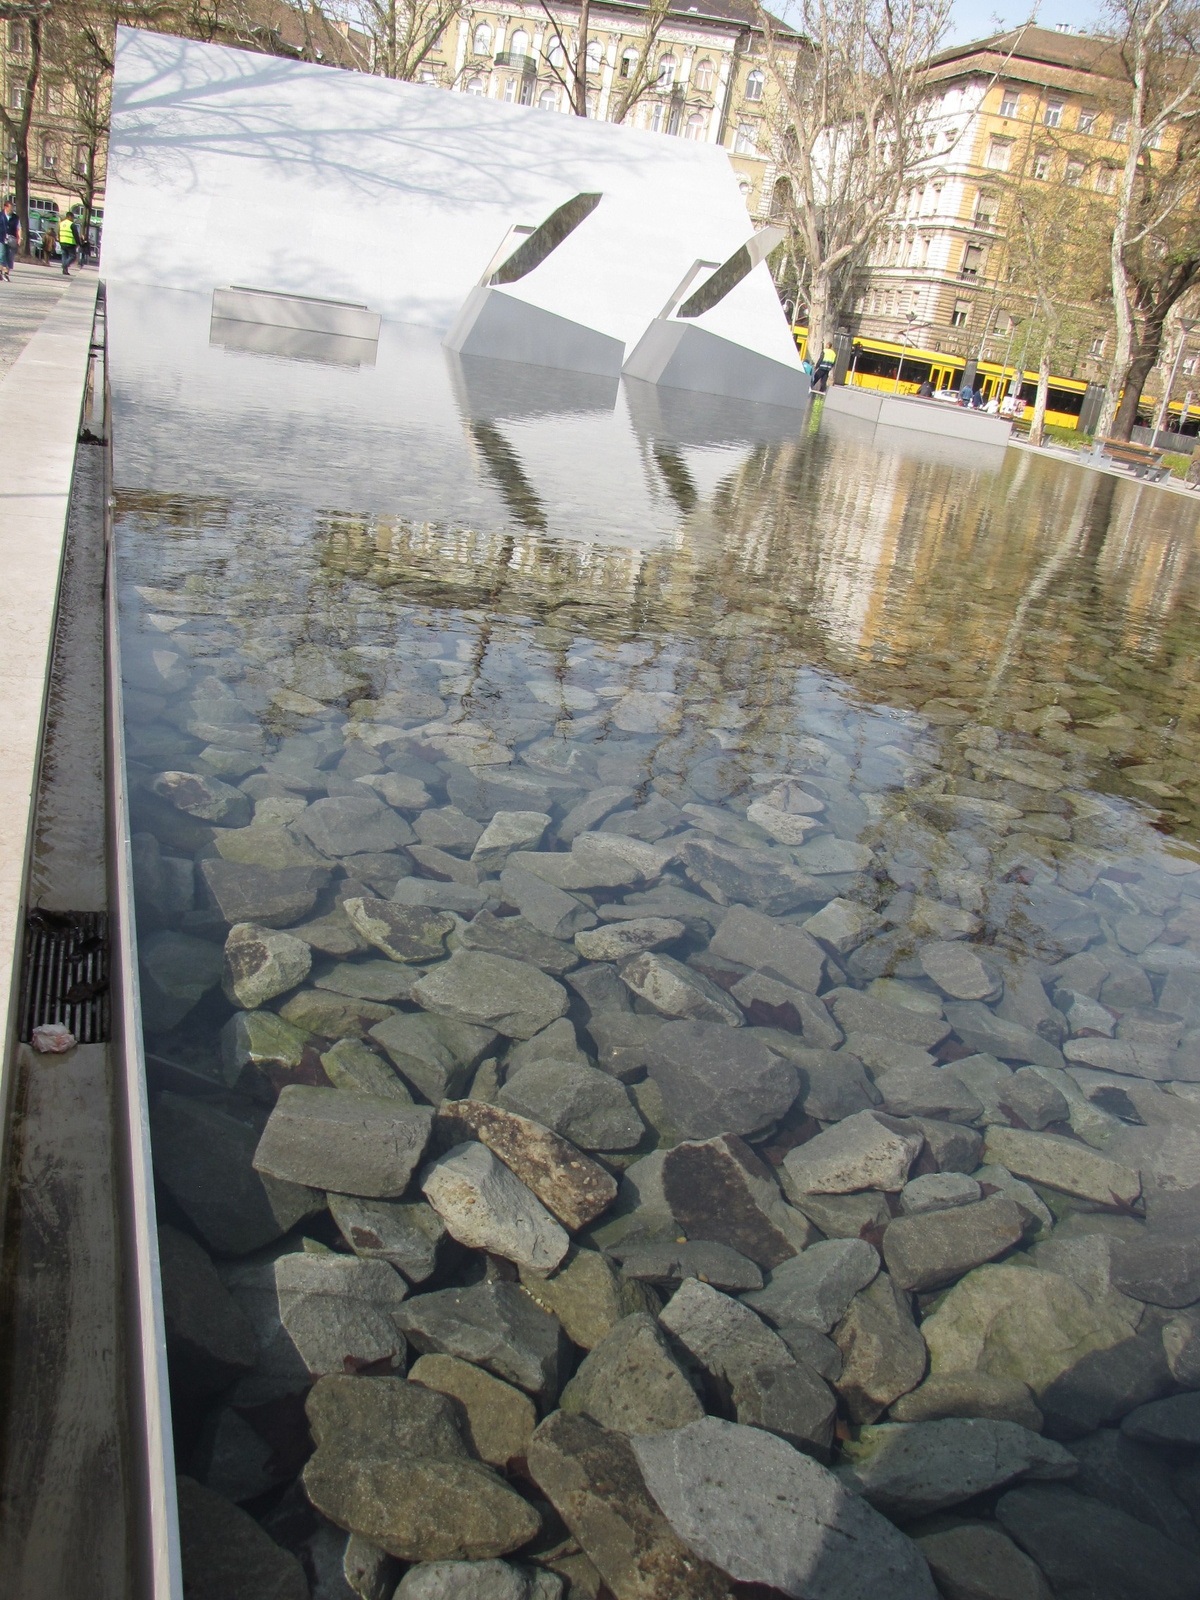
(26, 302)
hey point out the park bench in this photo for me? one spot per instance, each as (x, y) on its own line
(1143, 460)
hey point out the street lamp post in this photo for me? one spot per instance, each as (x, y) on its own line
(1185, 329)
(1019, 377)
(912, 317)
(1013, 324)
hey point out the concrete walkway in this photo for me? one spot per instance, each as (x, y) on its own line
(1085, 458)
(26, 302)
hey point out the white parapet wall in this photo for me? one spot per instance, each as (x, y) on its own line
(229, 168)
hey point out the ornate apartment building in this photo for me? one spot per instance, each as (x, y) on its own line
(708, 82)
(1029, 107)
(58, 151)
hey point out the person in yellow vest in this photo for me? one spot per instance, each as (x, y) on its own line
(68, 242)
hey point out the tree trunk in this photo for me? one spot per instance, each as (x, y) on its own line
(581, 64)
(1038, 425)
(820, 315)
(21, 189)
(1145, 355)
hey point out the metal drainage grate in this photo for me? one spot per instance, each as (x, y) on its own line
(66, 974)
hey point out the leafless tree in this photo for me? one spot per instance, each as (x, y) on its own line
(1158, 46)
(29, 16)
(854, 115)
(643, 74)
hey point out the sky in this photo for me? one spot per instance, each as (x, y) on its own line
(974, 19)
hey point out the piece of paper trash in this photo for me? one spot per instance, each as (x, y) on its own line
(53, 1038)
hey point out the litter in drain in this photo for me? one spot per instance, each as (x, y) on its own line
(66, 974)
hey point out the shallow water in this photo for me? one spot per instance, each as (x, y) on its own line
(977, 668)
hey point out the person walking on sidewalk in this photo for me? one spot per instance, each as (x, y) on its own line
(10, 237)
(67, 242)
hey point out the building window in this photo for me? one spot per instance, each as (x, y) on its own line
(666, 73)
(754, 85)
(1010, 103)
(81, 161)
(1121, 130)
(53, 97)
(16, 97)
(525, 94)
(1190, 366)
(591, 103)
(1106, 180)
(548, 100)
(1074, 173)
(628, 62)
(510, 90)
(16, 38)
(781, 198)
(745, 141)
(49, 156)
(703, 75)
(518, 45)
(972, 262)
(477, 87)
(986, 206)
(961, 314)
(1052, 115)
(1041, 166)
(1087, 122)
(483, 40)
(655, 119)
(595, 55)
(1098, 344)
(557, 56)
(697, 126)
(999, 154)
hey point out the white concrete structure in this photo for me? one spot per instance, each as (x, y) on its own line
(227, 167)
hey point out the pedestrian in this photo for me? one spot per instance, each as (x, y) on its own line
(925, 392)
(965, 395)
(10, 238)
(67, 243)
(49, 239)
(977, 398)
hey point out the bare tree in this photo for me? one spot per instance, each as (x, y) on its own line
(1158, 46)
(28, 15)
(853, 118)
(643, 73)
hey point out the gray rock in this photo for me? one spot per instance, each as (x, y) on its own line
(272, 899)
(845, 1216)
(887, 1055)
(369, 1571)
(390, 1464)
(766, 945)
(332, 1016)
(233, 1458)
(279, 1372)
(349, 1064)
(468, 1580)
(461, 898)
(937, 1191)
(724, 1337)
(664, 1262)
(495, 1325)
(207, 799)
(883, 1352)
(1031, 1100)
(630, 1382)
(1091, 1551)
(1181, 1342)
(833, 1085)
(385, 982)
(763, 1513)
(506, 832)
(582, 1104)
(592, 1477)
(592, 810)
(403, 933)
(958, 971)
(859, 1153)
(842, 925)
(1133, 1478)
(857, 1012)
(829, 856)
(927, 1251)
(1064, 1164)
(597, 861)
(1161, 1268)
(949, 1146)
(975, 1561)
(720, 1190)
(497, 1419)
(550, 910)
(767, 880)
(339, 1311)
(1129, 1057)
(928, 1092)
(519, 939)
(487, 1207)
(788, 1399)
(177, 971)
(677, 991)
(1173, 1421)
(346, 825)
(492, 991)
(908, 1469)
(209, 1339)
(968, 1394)
(437, 1055)
(261, 963)
(1037, 1215)
(815, 1289)
(203, 1155)
(408, 1234)
(981, 1030)
(771, 1004)
(349, 1143)
(714, 1080)
(618, 941)
(623, 1041)
(447, 828)
(558, 1042)
(227, 1556)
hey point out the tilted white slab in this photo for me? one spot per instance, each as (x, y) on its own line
(227, 167)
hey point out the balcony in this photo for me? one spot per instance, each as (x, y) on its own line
(517, 60)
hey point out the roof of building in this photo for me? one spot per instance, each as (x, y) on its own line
(738, 13)
(1018, 50)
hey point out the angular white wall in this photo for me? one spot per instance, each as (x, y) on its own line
(232, 168)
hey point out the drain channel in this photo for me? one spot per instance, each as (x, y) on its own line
(66, 974)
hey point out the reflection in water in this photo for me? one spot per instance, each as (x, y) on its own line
(940, 716)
